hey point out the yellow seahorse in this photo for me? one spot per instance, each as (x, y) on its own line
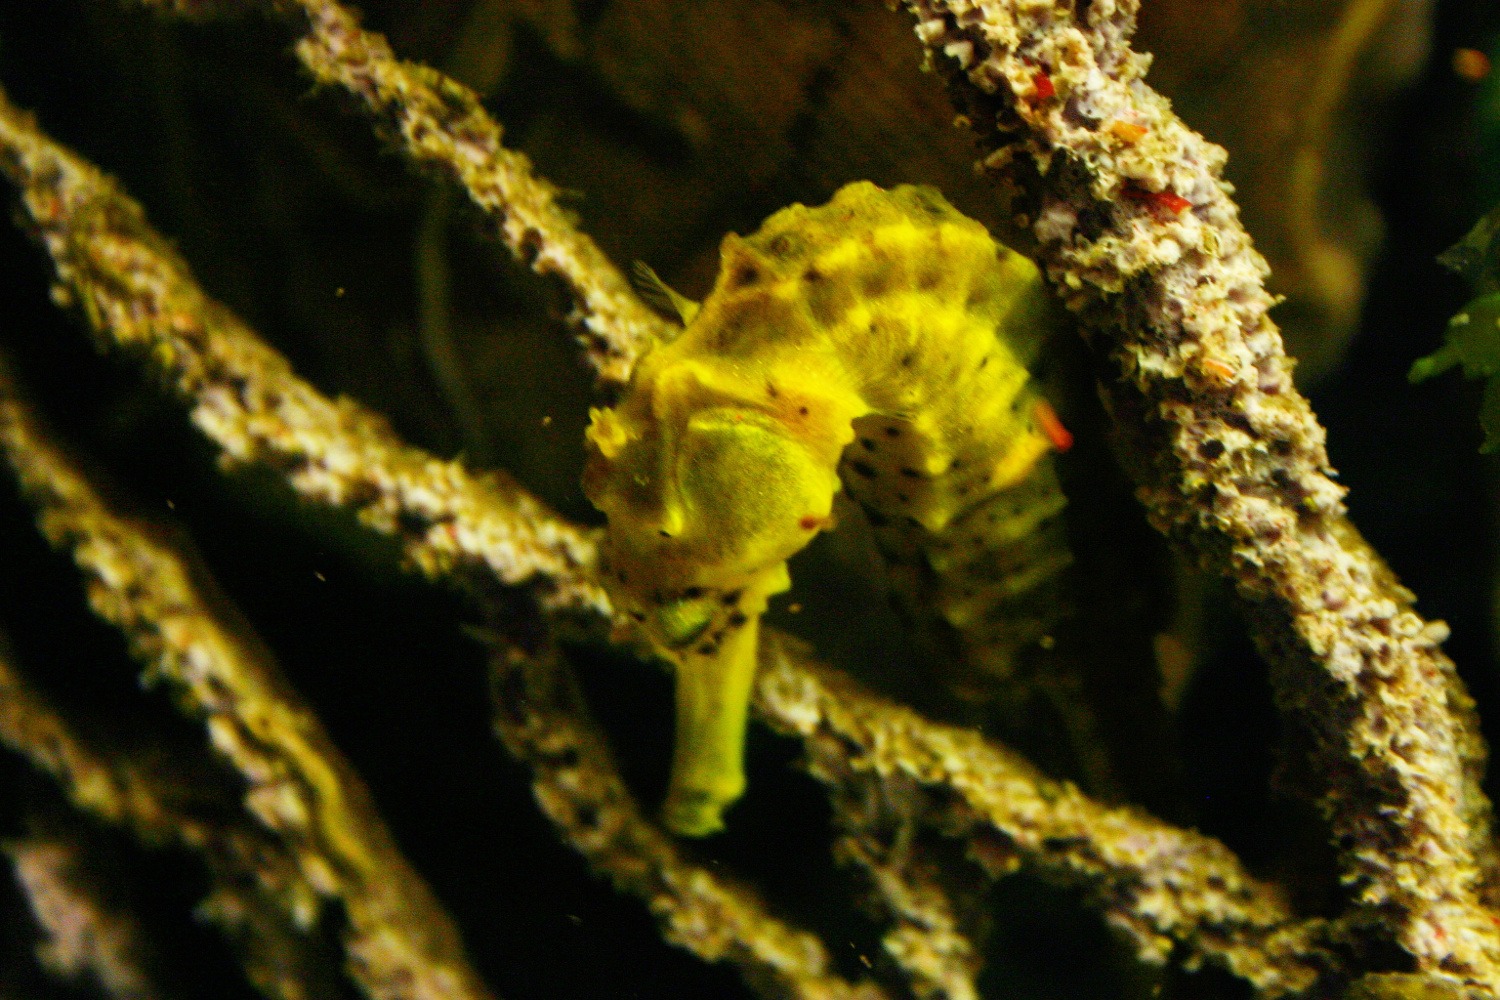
(878, 343)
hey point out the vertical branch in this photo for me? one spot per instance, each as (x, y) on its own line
(1142, 240)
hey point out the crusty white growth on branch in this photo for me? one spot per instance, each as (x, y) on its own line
(438, 122)
(1167, 890)
(1141, 238)
(541, 716)
(84, 937)
(146, 581)
(136, 292)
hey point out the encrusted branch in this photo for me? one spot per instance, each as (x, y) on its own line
(84, 936)
(1139, 235)
(136, 292)
(541, 717)
(258, 897)
(401, 944)
(878, 821)
(1167, 890)
(437, 121)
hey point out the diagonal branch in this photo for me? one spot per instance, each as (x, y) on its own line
(540, 715)
(1140, 236)
(136, 292)
(401, 944)
(258, 897)
(1164, 888)
(85, 936)
(438, 122)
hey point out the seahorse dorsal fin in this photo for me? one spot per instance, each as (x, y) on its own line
(660, 297)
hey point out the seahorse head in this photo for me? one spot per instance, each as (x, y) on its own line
(707, 495)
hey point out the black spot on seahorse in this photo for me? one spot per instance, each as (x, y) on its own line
(783, 245)
(743, 276)
(864, 469)
(875, 283)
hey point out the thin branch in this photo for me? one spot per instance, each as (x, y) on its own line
(878, 821)
(136, 292)
(84, 936)
(540, 715)
(1169, 891)
(258, 896)
(438, 122)
(400, 942)
(1141, 238)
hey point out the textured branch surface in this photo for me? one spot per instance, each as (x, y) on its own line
(400, 942)
(135, 291)
(437, 121)
(85, 937)
(259, 897)
(877, 818)
(541, 717)
(1141, 238)
(1162, 887)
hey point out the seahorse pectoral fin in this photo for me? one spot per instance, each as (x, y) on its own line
(713, 700)
(661, 296)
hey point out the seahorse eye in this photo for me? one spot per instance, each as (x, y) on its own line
(680, 623)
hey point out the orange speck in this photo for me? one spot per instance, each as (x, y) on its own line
(1046, 418)
(1043, 84)
(809, 522)
(1169, 200)
(794, 609)
(1222, 371)
(1126, 131)
(1470, 65)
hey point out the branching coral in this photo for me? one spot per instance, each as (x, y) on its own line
(1140, 239)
